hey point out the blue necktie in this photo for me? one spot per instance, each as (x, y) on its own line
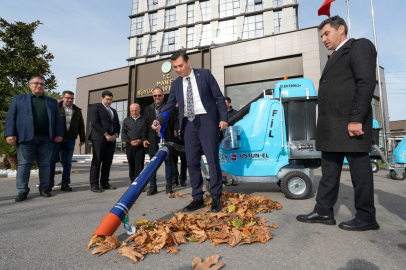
(190, 103)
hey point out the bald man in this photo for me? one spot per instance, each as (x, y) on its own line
(132, 135)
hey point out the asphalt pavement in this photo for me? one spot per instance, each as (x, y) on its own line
(53, 233)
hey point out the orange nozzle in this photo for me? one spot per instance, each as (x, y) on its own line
(109, 225)
(285, 78)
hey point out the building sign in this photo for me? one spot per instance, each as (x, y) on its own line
(165, 84)
(166, 67)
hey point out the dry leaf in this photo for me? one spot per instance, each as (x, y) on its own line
(197, 263)
(103, 248)
(95, 240)
(171, 195)
(173, 250)
(235, 238)
(112, 241)
(181, 195)
(130, 253)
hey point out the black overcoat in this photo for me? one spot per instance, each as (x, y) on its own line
(345, 93)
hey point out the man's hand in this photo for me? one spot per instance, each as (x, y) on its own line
(133, 143)
(138, 142)
(58, 139)
(223, 125)
(113, 138)
(108, 137)
(156, 126)
(146, 143)
(81, 143)
(12, 140)
(355, 129)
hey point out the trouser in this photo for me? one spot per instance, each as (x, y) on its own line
(135, 157)
(67, 146)
(41, 148)
(202, 133)
(362, 181)
(168, 167)
(103, 152)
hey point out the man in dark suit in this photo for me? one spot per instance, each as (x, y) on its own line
(202, 113)
(344, 127)
(33, 124)
(151, 138)
(132, 136)
(230, 110)
(105, 131)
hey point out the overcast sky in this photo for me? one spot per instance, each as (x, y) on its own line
(90, 36)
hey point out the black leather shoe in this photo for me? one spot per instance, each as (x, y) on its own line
(313, 217)
(96, 189)
(108, 186)
(21, 196)
(215, 206)
(152, 190)
(183, 183)
(194, 205)
(45, 193)
(358, 225)
(169, 189)
(65, 186)
(175, 182)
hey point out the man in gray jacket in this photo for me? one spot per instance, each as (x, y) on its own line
(344, 126)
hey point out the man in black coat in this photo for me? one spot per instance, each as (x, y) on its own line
(132, 136)
(105, 131)
(152, 138)
(344, 127)
(230, 111)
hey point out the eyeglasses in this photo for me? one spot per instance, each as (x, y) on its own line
(157, 95)
(69, 98)
(38, 83)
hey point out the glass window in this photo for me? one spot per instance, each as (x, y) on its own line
(226, 31)
(253, 27)
(165, 55)
(153, 21)
(150, 58)
(170, 2)
(277, 16)
(122, 112)
(251, 6)
(205, 39)
(190, 36)
(277, 3)
(190, 13)
(152, 4)
(205, 8)
(170, 18)
(152, 45)
(229, 8)
(135, 7)
(170, 41)
(139, 46)
(137, 25)
(183, 1)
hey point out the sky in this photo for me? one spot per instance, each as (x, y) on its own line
(90, 36)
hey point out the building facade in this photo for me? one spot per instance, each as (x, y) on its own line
(246, 46)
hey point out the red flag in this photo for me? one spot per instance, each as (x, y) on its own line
(325, 8)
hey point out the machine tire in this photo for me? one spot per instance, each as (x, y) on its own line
(394, 176)
(296, 185)
(375, 166)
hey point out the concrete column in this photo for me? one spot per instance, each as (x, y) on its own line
(287, 23)
(161, 3)
(214, 9)
(145, 42)
(139, 61)
(243, 5)
(181, 11)
(198, 34)
(268, 23)
(159, 37)
(287, 2)
(147, 27)
(239, 25)
(142, 6)
(182, 37)
(198, 13)
(160, 20)
(266, 4)
(133, 47)
(214, 25)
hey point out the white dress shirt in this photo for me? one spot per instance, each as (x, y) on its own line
(198, 105)
(341, 44)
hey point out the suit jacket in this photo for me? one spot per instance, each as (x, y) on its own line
(101, 122)
(210, 95)
(77, 125)
(132, 129)
(345, 93)
(150, 135)
(20, 122)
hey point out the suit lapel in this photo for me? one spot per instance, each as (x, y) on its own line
(198, 82)
(343, 50)
(106, 111)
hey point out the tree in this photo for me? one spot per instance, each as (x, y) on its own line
(21, 59)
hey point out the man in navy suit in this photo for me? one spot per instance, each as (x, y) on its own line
(202, 113)
(33, 123)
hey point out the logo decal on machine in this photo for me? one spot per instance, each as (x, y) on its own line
(233, 157)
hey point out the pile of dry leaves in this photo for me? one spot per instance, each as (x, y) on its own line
(237, 224)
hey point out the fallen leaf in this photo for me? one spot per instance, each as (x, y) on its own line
(112, 241)
(173, 250)
(131, 254)
(238, 223)
(180, 195)
(235, 238)
(171, 195)
(197, 263)
(103, 248)
(231, 208)
(94, 240)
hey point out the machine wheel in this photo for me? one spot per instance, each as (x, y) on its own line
(395, 177)
(375, 166)
(296, 185)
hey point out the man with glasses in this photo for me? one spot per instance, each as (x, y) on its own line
(73, 125)
(151, 138)
(33, 124)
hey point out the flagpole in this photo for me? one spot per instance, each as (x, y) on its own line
(379, 84)
(349, 21)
